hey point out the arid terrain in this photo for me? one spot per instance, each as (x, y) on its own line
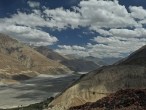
(72, 54)
(128, 73)
(34, 90)
(19, 61)
(130, 99)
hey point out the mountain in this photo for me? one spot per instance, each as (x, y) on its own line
(80, 65)
(128, 73)
(49, 53)
(129, 99)
(73, 63)
(19, 59)
(98, 61)
(136, 58)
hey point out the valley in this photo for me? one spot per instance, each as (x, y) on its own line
(72, 54)
(34, 90)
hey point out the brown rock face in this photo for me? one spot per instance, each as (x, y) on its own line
(18, 58)
(129, 99)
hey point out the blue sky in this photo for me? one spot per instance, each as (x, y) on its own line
(84, 27)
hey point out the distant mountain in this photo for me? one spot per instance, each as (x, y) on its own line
(49, 53)
(99, 61)
(72, 62)
(17, 58)
(129, 73)
(80, 65)
(110, 60)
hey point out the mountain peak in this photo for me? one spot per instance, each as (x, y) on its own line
(136, 58)
(17, 57)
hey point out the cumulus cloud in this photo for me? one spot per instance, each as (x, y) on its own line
(127, 33)
(93, 13)
(108, 14)
(119, 43)
(103, 32)
(108, 18)
(24, 27)
(33, 4)
(32, 20)
(28, 35)
(61, 18)
(74, 49)
(138, 12)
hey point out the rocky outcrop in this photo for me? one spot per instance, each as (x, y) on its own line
(129, 99)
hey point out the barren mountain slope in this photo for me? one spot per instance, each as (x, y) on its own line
(79, 65)
(136, 58)
(129, 99)
(101, 82)
(49, 53)
(17, 58)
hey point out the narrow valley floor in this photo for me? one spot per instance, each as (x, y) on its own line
(34, 90)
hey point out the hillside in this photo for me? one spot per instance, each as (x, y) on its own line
(49, 53)
(74, 64)
(102, 82)
(17, 58)
(136, 58)
(80, 65)
(129, 99)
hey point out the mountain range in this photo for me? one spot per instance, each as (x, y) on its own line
(74, 63)
(128, 73)
(21, 61)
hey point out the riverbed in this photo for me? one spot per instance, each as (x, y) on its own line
(34, 90)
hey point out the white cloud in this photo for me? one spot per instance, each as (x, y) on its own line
(32, 20)
(61, 18)
(108, 14)
(103, 32)
(121, 41)
(28, 35)
(33, 4)
(127, 33)
(24, 27)
(93, 13)
(75, 49)
(138, 12)
(114, 46)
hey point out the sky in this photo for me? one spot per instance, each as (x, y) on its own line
(99, 28)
